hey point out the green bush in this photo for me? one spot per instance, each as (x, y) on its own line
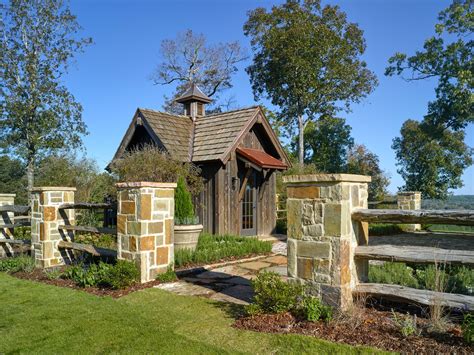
(313, 310)
(211, 248)
(407, 325)
(393, 273)
(273, 295)
(108, 241)
(123, 274)
(184, 209)
(17, 264)
(468, 328)
(168, 276)
(23, 233)
(384, 229)
(432, 277)
(120, 275)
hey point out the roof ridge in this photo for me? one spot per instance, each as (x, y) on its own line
(163, 112)
(231, 111)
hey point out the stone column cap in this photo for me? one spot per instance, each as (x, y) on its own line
(7, 195)
(409, 193)
(52, 188)
(164, 185)
(297, 179)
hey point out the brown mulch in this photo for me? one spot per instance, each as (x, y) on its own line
(39, 276)
(375, 329)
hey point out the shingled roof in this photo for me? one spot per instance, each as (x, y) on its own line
(209, 138)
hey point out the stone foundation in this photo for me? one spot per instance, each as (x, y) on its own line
(321, 235)
(409, 200)
(6, 218)
(46, 218)
(145, 223)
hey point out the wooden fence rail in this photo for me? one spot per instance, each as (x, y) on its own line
(89, 229)
(87, 206)
(464, 218)
(93, 250)
(15, 209)
(15, 225)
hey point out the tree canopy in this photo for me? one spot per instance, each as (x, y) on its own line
(447, 56)
(307, 61)
(327, 143)
(190, 59)
(431, 165)
(38, 113)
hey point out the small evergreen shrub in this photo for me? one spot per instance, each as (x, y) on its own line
(393, 273)
(468, 328)
(17, 264)
(53, 274)
(407, 325)
(311, 309)
(168, 276)
(384, 229)
(273, 295)
(122, 275)
(184, 209)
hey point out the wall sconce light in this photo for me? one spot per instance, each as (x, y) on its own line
(235, 183)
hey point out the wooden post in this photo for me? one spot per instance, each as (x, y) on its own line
(145, 226)
(46, 217)
(321, 235)
(409, 200)
(6, 218)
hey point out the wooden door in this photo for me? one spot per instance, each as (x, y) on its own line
(248, 206)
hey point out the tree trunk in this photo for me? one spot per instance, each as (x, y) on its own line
(300, 141)
(30, 173)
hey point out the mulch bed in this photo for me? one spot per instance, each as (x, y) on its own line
(374, 328)
(39, 276)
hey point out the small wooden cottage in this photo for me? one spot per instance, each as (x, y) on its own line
(238, 154)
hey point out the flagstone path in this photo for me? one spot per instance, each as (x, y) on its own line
(230, 283)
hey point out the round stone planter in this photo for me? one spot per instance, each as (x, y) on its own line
(186, 236)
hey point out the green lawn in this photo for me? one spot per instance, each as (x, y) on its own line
(40, 318)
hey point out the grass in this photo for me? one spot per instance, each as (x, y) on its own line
(446, 228)
(39, 318)
(212, 248)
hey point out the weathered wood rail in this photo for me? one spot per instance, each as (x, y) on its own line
(101, 230)
(89, 206)
(415, 254)
(15, 241)
(464, 218)
(93, 250)
(424, 297)
(15, 209)
(14, 225)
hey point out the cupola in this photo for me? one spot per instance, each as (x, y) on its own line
(194, 101)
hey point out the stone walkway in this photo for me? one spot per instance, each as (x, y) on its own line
(229, 283)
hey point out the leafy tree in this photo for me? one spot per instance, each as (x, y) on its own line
(13, 178)
(447, 56)
(38, 113)
(83, 174)
(307, 61)
(362, 161)
(327, 142)
(189, 59)
(430, 164)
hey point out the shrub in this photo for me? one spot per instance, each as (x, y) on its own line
(123, 274)
(99, 240)
(53, 274)
(407, 325)
(17, 264)
(468, 328)
(384, 229)
(168, 276)
(393, 273)
(313, 310)
(184, 209)
(432, 277)
(88, 276)
(148, 163)
(273, 295)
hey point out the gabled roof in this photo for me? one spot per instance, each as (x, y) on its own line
(194, 93)
(209, 138)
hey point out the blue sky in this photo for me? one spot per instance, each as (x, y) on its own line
(111, 79)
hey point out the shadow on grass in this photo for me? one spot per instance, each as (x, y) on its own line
(232, 310)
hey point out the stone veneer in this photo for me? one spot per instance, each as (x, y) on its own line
(409, 200)
(46, 217)
(145, 223)
(322, 236)
(6, 218)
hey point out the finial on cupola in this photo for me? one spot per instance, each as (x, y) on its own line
(194, 101)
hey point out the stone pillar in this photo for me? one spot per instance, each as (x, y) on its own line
(409, 200)
(322, 236)
(6, 218)
(46, 217)
(145, 226)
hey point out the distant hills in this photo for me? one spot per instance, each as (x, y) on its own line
(458, 202)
